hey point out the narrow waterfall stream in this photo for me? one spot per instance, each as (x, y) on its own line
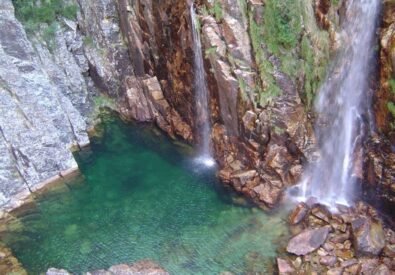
(342, 106)
(201, 96)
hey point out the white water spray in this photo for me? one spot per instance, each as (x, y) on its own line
(343, 101)
(201, 96)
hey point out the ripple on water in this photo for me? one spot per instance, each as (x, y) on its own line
(140, 199)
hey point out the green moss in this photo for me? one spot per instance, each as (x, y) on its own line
(34, 13)
(282, 23)
(216, 10)
(210, 51)
(391, 108)
(391, 83)
(88, 41)
(267, 88)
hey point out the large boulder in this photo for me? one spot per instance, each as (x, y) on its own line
(368, 236)
(308, 241)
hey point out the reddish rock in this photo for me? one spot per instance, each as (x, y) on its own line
(298, 214)
(321, 212)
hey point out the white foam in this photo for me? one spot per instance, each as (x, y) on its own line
(206, 161)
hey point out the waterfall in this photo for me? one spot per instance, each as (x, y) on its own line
(341, 106)
(201, 95)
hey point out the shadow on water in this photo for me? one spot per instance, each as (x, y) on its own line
(141, 196)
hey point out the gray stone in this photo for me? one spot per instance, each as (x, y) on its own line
(328, 260)
(38, 124)
(368, 236)
(308, 241)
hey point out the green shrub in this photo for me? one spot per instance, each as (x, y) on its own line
(216, 10)
(391, 108)
(32, 13)
(282, 22)
(391, 83)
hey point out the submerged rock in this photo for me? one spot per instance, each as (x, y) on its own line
(55, 271)
(368, 236)
(308, 241)
(144, 267)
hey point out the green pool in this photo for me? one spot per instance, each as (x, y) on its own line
(141, 197)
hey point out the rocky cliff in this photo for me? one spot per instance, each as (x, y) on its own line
(39, 123)
(380, 159)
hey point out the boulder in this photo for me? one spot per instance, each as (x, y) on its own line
(321, 212)
(328, 260)
(298, 214)
(368, 236)
(308, 241)
(284, 267)
(268, 194)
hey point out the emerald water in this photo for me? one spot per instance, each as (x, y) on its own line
(140, 197)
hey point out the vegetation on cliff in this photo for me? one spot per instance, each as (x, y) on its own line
(43, 15)
(289, 32)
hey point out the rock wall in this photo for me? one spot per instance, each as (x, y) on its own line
(380, 159)
(262, 88)
(39, 123)
(51, 89)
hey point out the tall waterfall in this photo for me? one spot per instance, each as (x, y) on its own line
(201, 95)
(342, 104)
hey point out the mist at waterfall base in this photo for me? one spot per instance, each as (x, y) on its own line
(343, 106)
(204, 157)
(140, 198)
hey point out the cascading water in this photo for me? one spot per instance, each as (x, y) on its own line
(342, 104)
(201, 95)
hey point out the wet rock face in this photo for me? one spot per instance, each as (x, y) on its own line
(384, 96)
(276, 139)
(159, 41)
(379, 173)
(159, 46)
(350, 241)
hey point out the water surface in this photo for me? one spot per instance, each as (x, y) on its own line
(142, 198)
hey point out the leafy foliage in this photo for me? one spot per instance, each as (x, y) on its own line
(282, 23)
(216, 10)
(42, 15)
(391, 108)
(391, 83)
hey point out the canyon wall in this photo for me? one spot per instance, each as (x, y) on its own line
(380, 159)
